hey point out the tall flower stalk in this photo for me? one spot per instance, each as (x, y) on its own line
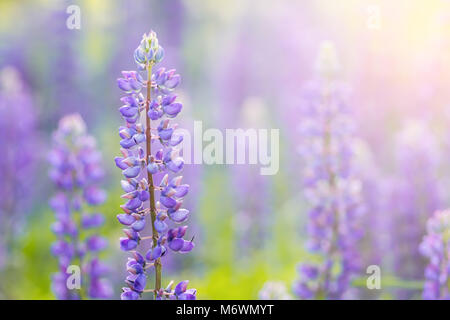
(415, 192)
(76, 171)
(141, 169)
(330, 186)
(17, 165)
(435, 247)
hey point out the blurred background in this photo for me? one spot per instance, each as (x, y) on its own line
(242, 64)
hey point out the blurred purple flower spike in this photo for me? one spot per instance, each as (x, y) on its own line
(330, 185)
(76, 171)
(19, 141)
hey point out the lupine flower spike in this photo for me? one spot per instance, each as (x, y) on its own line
(436, 247)
(17, 163)
(413, 195)
(149, 152)
(330, 186)
(76, 171)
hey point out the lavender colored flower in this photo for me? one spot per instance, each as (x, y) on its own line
(435, 247)
(414, 193)
(76, 171)
(17, 163)
(141, 168)
(330, 186)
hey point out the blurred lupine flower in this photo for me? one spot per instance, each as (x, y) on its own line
(330, 186)
(76, 171)
(415, 192)
(141, 167)
(17, 163)
(435, 247)
(274, 290)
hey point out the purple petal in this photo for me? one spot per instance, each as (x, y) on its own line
(138, 225)
(133, 204)
(181, 287)
(62, 248)
(119, 163)
(131, 234)
(129, 100)
(60, 204)
(173, 82)
(186, 296)
(182, 190)
(126, 219)
(160, 226)
(131, 172)
(140, 282)
(154, 114)
(123, 84)
(126, 186)
(155, 253)
(129, 294)
(173, 109)
(168, 202)
(135, 85)
(130, 195)
(139, 138)
(179, 215)
(168, 191)
(176, 244)
(96, 243)
(165, 134)
(127, 244)
(144, 195)
(176, 164)
(152, 168)
(180, 231)
(187, 246)
(138, 257)
(168, 99)
(127, 143)
(159, 155)
(128, 111)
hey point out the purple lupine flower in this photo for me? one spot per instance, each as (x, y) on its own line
(330, 186)
(414, 193)
(141, 168)
(76, 171)
(435, 247)
(17, 163)
(170, 15)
